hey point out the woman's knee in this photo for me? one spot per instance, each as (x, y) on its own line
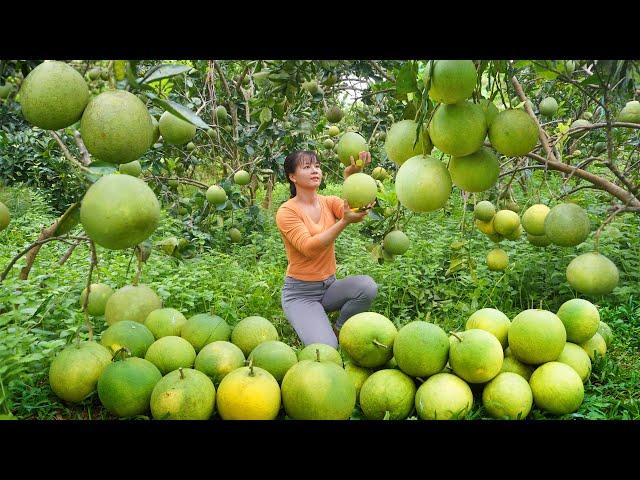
(369, 288)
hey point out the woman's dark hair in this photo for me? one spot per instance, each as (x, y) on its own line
(293, 160)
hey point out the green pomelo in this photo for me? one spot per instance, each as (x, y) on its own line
(170, 353)
(235, 235)
(507, 396)
(557, 388)
(534, 217)
(314, 390)
(400, 141)
(125, 387)
(5, 216)
(548, 107)
(156, 130)
(251, 331)
(334, 114)
(165, 322)
(592, 274)
(513, 365)
(328, 144)
(605, 331)
(221, 113)
(567, 225)
(333, 131)
(275, 357)
(536, 336)
(580, 123)
(358, 376)
(5, 90)
(53, 96)
(368, 338)
(475, 172)
(183, 394)
(475, 355)
(516, 234)
(350, 145)
(327, 353)
(98, 297)
(131, 303)
(513, 133)
(379, 173)
(506, 222)
(241, 177)
(127, 334)
(443, 397)
(497, 259)
(458, 129)
(595, 346)
(116, 127)
(580, 318)
(423, 184)
(216, 195)
(132, 168)
(630, 113)
(486, 227)
(538, 240)
(203, 328)
(451, 80)
(396, 242)
(490, 110)
(75, 371)
(387, 394)
(484, 211)
(492, 321)
(191, 146)
(359, 190)
(119, 211)
(575, 356)
(174, 130)
(248, 393)
(421, 349)
(218, 358)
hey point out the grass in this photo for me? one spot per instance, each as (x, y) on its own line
(433, 281)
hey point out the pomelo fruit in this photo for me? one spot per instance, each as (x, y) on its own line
(119, 211)
(567, 225)
(513, 133)
(132, 168)
(387, 393)
(580, 318)
(359, 190)
(516, 234)
(275, 357)
(534, 217)
(184, 394)
(350, 145)
(334, 114)
(191, 146)
(475, 355)
(235, 235)
(333, 131)
(492, 321)
(400, 141)
(313, 390)
(251, 331)
(548, 107)
(170, 353)
(595, 346)
(164, 322)
(592, 274)
(248, 393)
(204, 328)
(630, 112)
(575, 356)
(75, 370)
(506, 222)
(221, 113)
(497, 259)
(5, 216)
(507, 396)
(328, 144)
(358, 376)
(536, 336)
(174, 130)
(605, 331)
(451, 80)
(98, 296)
(116, 127)
(458, 129)
(216, 195)
(484, 211)
(475, 172)
(423, 184)
(490, 110)
(241, 177)
(128, 334)
(538, 240)
(443, 396)
(53, 96)
(396, 242)
(125, 386)
(327, 353)
(513, 365)
(218, 358)
(156, 131)
(5, 90)
(557, 388)
(131, 303)
(421, 349)
(368, 337)
(379, 173)
(580, 123)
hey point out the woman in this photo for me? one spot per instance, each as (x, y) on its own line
(309, 224)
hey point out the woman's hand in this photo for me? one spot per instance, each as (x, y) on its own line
(350, 216)
(353, 168)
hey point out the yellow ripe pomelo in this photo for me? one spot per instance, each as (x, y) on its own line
(443, 396)
(557, 388)
(491, 320)
(534, 217)
(248, 393)
(508, 396)
(536, 336)
(575, 356)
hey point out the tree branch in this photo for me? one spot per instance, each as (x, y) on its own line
(67, 153)
(86, 156)
(381, 71)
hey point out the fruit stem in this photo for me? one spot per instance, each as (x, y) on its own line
(376, 342)
(317, 354)
(251, 372)
(454, 334)
(127, 353)
(181, 373)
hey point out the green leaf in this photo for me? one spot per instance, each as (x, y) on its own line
(406, 81)
(99, 167)
(164, 71)
(265, 115)
(521, 63)
(178, 110)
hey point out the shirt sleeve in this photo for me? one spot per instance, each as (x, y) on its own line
(296, 232)
(337, 206)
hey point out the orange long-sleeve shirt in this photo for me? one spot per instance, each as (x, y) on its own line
(308, 259)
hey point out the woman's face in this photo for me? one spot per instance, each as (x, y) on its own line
(308, 174)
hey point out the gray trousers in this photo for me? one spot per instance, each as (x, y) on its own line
(306, 304)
